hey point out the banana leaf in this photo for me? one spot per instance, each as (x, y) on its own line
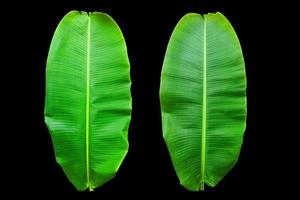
(88, 100)
(203, 99)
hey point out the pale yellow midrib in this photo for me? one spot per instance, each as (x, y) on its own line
(87, 122)
(203, 134)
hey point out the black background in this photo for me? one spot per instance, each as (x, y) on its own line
(146, 26)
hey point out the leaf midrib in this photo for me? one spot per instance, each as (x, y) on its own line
(87, 122)
(203, 134)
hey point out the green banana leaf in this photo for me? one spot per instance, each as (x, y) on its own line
(88, 101)
(203, 99)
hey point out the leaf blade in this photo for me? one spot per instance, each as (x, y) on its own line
(74, 97)
(190, 103)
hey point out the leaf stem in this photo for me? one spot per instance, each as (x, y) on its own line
(91, 189)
